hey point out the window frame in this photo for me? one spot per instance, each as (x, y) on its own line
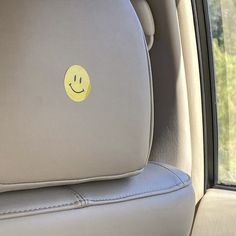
(208, 91)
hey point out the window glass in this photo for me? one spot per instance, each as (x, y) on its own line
(223, 27)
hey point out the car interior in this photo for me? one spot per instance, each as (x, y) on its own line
(110, 118)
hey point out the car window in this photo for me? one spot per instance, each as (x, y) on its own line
(223, 31)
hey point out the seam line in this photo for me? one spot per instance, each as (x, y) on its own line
(40, 208)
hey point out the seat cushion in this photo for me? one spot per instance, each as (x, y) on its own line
(48, 135)
(161, 195)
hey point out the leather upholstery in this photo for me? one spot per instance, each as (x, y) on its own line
(47, 139)
(146, 19)
(159, 201)
(54, 141)
(216, 214)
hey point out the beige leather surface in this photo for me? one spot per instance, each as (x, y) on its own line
(190, 55)
(178, 135)
(145, 16)
(216, 214)
(46, 138)
(172, 136)
(140, 205)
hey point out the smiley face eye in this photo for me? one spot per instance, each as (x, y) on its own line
(80, 79)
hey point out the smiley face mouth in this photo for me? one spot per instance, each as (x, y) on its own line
(81, 91)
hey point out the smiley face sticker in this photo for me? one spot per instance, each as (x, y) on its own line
(77, 83)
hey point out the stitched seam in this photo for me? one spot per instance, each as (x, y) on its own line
(82, 196)
(158, 164)
(140, 193)
(151, 99)
(78, 200)
(78, 196)
(181, 185)
(40, 208)
(74, 193)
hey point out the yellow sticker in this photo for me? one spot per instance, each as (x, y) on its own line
(77, 83)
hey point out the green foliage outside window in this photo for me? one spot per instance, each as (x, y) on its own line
(223, 26)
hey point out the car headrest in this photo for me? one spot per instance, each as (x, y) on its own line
(75, 92)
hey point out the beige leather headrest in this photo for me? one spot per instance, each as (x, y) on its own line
(56, 127)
